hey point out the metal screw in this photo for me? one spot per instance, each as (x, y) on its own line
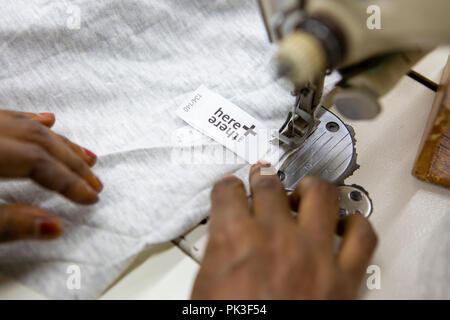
(332, 127)
(356, 196)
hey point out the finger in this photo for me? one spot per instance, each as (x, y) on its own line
(48, 119)
(317, 207)
(358, 245)
(229, 203)
(45, 118)
(88, 156)
(30, 131)
(270, 202)
(20, 159)
(19, 222)
(33, 131)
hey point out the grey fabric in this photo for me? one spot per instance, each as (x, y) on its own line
(114, 85)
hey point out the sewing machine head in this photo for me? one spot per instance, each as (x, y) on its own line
(316, 36)
(307, 46)
(315, 141)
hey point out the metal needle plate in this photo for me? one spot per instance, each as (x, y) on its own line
(328, 153)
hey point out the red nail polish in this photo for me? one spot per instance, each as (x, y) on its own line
(48, 228)
(46, 115)
(89, 153)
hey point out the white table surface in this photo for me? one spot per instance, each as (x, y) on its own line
(166, 272)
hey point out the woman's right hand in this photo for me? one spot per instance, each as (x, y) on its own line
(29, 149)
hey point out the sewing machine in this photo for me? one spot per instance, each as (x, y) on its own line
(316, 37)
(314, 140)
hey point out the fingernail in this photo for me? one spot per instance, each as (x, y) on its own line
(261, 163)
(93, 195)
(48, 228)
(99, 182)
(46, 115)
(264, 168)
(89, 153)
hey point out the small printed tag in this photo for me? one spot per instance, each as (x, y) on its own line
(226, 123)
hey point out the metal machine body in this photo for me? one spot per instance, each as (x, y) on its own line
(328, 152)
(314, 140)
(322, 145)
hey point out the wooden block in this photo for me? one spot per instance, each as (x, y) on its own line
(433, 162)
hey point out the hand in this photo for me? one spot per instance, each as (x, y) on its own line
(261, 252)
(29, 149)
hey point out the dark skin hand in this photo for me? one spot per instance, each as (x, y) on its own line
(260, 251)
(29, 149)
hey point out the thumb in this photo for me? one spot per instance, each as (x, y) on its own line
(20, 222)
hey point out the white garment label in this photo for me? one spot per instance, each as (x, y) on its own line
(226, 123)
